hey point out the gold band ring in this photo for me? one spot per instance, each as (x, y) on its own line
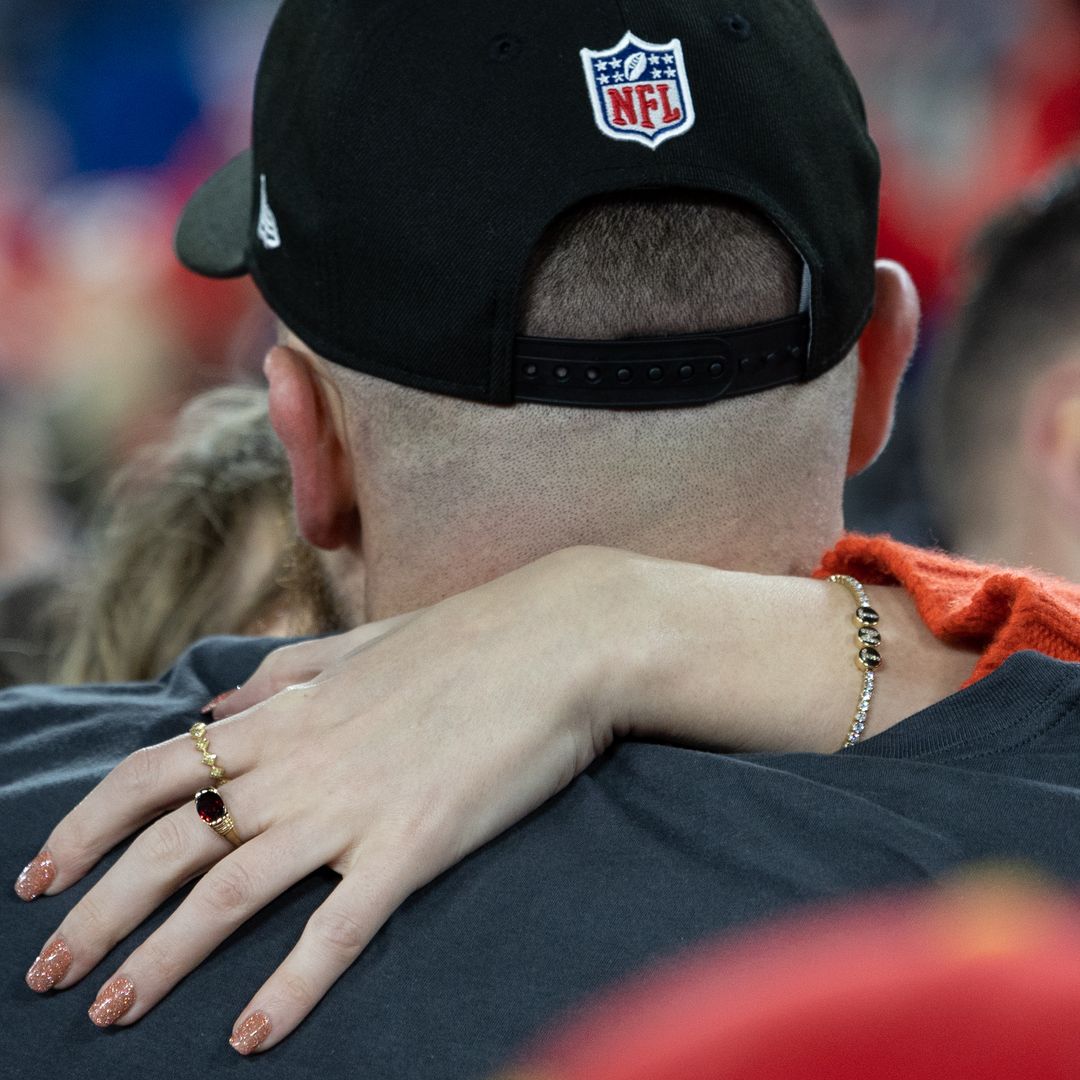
(202, 744)
(210, 806)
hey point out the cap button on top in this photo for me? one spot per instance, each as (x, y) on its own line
(736, 26)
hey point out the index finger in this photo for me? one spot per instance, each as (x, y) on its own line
(141, 788)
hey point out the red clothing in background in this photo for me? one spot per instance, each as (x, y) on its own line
(979, 978)
(1000, 611)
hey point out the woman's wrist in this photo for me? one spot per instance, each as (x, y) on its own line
(748, 663)
(742, 662)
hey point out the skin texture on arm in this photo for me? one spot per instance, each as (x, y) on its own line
(792, 642)
(698, 656)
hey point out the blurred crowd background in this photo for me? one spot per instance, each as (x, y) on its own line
(111, 113)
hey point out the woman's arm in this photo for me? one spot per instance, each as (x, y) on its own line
(692, 654)
(437, 732)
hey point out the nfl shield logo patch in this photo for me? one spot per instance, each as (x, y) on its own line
(639, 91)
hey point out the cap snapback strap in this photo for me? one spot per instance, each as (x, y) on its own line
(666, 371)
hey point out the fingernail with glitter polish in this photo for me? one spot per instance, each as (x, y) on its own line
(208, 708)
(50, 967)
(251, 1034)
(36, 877)
(113, 1002)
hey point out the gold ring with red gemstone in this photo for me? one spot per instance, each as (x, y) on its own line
(211, 808)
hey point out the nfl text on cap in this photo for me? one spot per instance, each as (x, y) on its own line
(406, 159)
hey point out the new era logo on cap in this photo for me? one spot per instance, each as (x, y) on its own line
(408, 230)
(268, 230)
(640, 91)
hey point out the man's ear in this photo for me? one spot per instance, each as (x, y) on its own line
(319, 459)
(885, 348)
(1051, 436)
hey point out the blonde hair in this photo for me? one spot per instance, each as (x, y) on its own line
(195, 539)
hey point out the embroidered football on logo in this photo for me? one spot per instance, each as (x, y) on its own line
(639, 91)
(635, 65)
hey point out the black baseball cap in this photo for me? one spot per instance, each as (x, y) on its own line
(407, 157)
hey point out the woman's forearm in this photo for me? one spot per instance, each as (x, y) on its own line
(744, 662)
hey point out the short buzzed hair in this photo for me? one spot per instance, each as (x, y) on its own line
(662, 262)
(759, 477)
(1023, 310)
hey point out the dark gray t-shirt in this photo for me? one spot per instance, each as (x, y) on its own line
(652, 850)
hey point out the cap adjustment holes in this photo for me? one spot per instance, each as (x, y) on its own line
(736, 26)
(660, 372)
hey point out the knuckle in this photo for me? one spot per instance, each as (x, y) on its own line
(160, 961)
(279, 666)
(228, 891)
(273, 661)
(338, 932)
(164, 842)
(266, 672)
(88, 925)
(141, 771)
(296, 992)
(75, 844)
(308, 759)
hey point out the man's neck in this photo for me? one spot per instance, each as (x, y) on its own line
(407, 571)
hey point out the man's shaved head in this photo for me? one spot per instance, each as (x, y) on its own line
(647, 265)
(755, 480)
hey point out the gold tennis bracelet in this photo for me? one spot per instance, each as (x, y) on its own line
(868, 658)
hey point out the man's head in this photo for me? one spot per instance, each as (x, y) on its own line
(1003, 432)
(689, 198)
(439, 493)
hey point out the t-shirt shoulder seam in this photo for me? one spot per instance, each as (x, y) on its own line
(1050, 703)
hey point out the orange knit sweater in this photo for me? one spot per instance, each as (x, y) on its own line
(998, 610)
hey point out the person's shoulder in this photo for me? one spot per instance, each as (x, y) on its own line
(1031, 667)
(205, 670)
(1015, 717)
(73, 733)
(217, 664)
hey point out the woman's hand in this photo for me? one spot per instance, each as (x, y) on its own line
(463, 720)
(303, 662)
(410, 744)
